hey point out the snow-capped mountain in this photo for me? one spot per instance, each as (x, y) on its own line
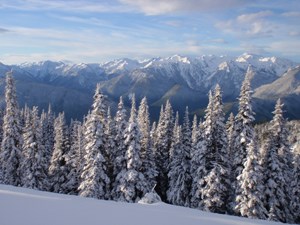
(185, 80)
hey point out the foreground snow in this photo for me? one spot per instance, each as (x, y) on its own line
(29, 207)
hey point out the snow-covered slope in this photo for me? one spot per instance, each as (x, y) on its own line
(28, 207)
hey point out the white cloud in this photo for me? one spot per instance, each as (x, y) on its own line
(286, 48)
(249, 25)
(291, 14)
(253, 17)
(65, 5)
(3, 30)
(156, 7)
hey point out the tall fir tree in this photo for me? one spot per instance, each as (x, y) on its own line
(131, 182)
(162, 145)
(230, 131)
(1, 125)
(58, 169)
(198, 168)
(33, 172)
(109, 145)
(278, 166)
(94, 180)
(296, 188)
(179, 174)
(47, 129)
(250, 194)
(118, 154)
(175, 176)
(215, 193)
(11, 146)
(73, 159)
(147, 154)
(195, 130)
(243, 130)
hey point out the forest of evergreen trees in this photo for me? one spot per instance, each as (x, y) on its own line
(217, 166)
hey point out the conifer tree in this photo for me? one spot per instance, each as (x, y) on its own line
(230, 132)
(174, 138)
(47, 139)
(58, 170)
(162, 145)
(208, 132)
(215, 192)
(94, 179)
(11, 153)
(118, 154)
(243, 129)
(131, 182)
(33, 172)
(179, 174)
(198, 168)
(73, 158)
(175, 176)
(147, 154)
(250, 193)
(278, 165)
(109, 144)
(1, 125)
(296, 188)
(195, 130)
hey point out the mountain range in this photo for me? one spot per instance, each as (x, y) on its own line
(184, 80)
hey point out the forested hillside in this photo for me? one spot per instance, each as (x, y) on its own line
(226, 167)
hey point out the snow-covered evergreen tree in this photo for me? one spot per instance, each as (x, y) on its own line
(175, 176)
(243, 129)
(47, 129)
(250, 193)
(198, 168)
(296, 188)
(94, 179)
(195, 130)
(278, 167)
(215, 192)
(118, 154)
(73, 158)
(109, 144)
(208, 132)
(179, 174)
(147, 154)
(1, 125)
(58, 170)
(33, 172)
(11, 153)
(230, 132)
(174, 138)
(131, 183)
(162, 145)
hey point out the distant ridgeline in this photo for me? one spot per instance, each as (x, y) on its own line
(184, 81)
(212, 165)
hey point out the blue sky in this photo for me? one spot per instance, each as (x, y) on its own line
(97, 31)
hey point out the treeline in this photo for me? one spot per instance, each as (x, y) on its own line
(211, 165)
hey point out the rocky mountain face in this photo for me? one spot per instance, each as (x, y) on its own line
(183, 80)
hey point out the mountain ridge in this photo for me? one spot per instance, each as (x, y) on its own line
(193, 77)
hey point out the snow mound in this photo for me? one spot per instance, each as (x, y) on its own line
(150, 198)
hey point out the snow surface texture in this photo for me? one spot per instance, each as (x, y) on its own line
(28, 207)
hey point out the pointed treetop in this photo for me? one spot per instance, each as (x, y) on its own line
(121, 104)
(278, 107)
(176, 120)
(9, 73)
(133, 109)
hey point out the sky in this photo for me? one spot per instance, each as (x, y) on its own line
(93, 31)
